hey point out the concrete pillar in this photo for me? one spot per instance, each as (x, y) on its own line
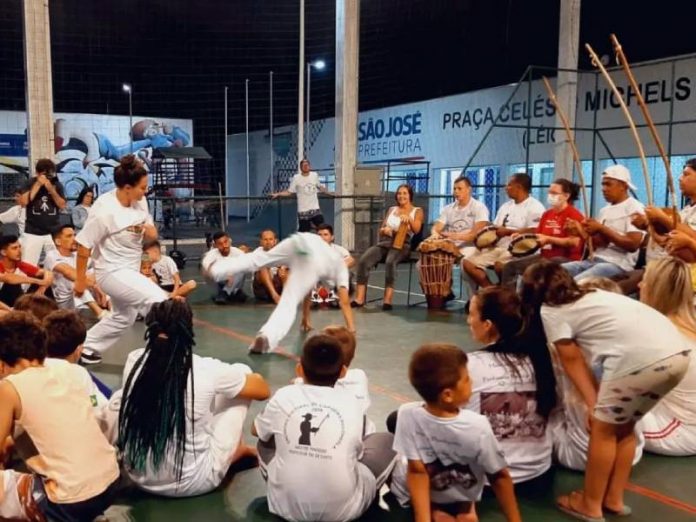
(39, 82)
(567, 82)
(346, 145)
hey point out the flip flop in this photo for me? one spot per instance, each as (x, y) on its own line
(570, 511)
(625, 511)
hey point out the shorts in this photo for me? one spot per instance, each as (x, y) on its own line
(24, 497)
(306, 221)
(629, 397)
(489, 257)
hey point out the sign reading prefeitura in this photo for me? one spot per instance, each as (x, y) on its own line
(446, 131)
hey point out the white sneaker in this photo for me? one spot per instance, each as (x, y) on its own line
(260, 345)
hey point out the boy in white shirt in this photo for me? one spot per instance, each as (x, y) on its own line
(311, 449)
(519, 215)
(323, 295)
(306, 185)
(166, 271)
(450, 450)
(615, 238)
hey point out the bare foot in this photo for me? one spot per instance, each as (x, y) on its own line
(573, 504)
(243, 452)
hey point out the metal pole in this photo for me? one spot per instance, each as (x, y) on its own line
(246, 103)
(300, 94)
(226, 158)
(309, 91)
(270, 128)
(130, 116)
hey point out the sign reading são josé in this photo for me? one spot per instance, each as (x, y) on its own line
(391, 137)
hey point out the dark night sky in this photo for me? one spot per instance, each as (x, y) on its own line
(179, 54)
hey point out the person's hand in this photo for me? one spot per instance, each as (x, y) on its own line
(639, 220)
(678, 240)
(574, 227)
(515, 235)
(386, 231)
(404, 218)
(244, 248)
(42, 180)
(149, 232)
(656, 214)
(47, 279)
(436, 235)
(229, 281)
(589, 420)
(275, 195)
(543, 239)
(502, 231)
(90, 281)
(592, 226)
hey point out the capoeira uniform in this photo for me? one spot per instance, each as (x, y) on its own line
(63, 288)
(115, 235)
(310, 260)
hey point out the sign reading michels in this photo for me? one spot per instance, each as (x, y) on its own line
(447, 131)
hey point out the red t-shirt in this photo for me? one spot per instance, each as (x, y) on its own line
(552, 223)
(25, 268)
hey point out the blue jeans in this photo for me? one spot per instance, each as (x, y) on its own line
(595, 268)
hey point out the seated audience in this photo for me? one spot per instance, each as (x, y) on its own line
(268, 282)
(81, 209)
(641, 357)
(513, 386)
(181, 429)
(323, 294)
(312, 434)
(62, 261)
(16, 276)
(166, 271)
(402, 213)
(519, 215)
(448, 451)
(551, 233)
(616, 240)
(75, 474)
(232, 290)
(670, 427)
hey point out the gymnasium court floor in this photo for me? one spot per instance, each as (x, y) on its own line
(662, 489)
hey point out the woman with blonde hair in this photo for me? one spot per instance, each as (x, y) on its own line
(670, 427)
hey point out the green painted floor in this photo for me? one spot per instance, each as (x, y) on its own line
(662, 488)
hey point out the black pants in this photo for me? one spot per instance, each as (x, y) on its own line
(306, 224)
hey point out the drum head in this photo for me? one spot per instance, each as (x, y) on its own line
(524, 245)
(486, 238)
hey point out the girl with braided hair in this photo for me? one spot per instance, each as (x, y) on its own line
(181, 415)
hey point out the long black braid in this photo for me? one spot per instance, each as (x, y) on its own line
(153, 409)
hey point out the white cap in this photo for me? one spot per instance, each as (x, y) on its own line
(621, 173)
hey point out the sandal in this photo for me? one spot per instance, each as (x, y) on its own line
(625, 511)
(569, 510)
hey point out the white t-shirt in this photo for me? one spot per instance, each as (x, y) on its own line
(355, 382)
(115, 233)
(618, 218)
(459, 219)
(83, 377)
(457, 452)
(16, 214)
(306, 188)
(616, 333)
(62, 286)
(509, 404)
(343, 252)
(315, 473)
(166, 269)
(214, 254)
(212, 378)
(517, 216)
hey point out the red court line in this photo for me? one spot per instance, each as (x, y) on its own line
(380, 390)
(662, 499)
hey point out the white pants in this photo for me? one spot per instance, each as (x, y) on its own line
(76, 302)
(33, 246)
(302, 279)
(131, 293)
(666, 435)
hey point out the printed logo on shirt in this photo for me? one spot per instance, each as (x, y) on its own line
(313, 430)
(444, 477)
(44, 207)
(513, 415)
(460, 225)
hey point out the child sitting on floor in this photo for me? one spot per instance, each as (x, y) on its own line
(75, 474)
(355, 380)
(147, 268)
(165, 270)
(311, 447)
(450, 451)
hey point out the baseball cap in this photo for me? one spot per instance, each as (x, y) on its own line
(621, 173)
